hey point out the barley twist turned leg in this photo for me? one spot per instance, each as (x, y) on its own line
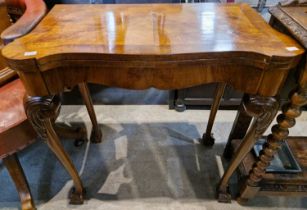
(280, 131)
(263, 109)
(42, 112)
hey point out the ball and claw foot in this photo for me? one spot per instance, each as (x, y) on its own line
(208, 140)
(223, 196)
(77, 198)
(96, 136)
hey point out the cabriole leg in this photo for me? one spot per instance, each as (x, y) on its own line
(96, 134)
(42, 112)
(238, 131)
(207, 138)
(263, 109)
(12, 164)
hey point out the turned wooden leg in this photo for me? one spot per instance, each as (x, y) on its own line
(42, 112)
(263, 109)
(238, 131)
(96, 134)
(207, 138)
(280, 131)
(13, 166)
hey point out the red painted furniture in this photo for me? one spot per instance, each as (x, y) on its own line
(15, 130)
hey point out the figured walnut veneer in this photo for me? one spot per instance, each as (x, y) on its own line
(161, 45)
(166, 46)
(255, 180)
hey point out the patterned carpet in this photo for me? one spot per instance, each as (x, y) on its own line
(150, 158)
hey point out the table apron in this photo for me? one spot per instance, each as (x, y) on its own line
(242, 77)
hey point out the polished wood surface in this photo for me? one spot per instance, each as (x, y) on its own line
(16, 132)
(31, 12)
(96, 134)
(167, 46)
(255, 179)
(263, 111)
(129, 39)
(208, 138)
(16, 172)
(289, 20)
(34, 11)
(5, 73)
(152, 30)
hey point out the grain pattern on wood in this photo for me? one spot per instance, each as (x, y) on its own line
(96, 134)
(158, 45)
(4, 23)
(152, 30)
(280, 132)
(280, 184)
(167, 46)
(291, 20)
(13, 166)
(208, 138)
(263, 109)
(42, 112)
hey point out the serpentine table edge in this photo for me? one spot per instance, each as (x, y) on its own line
(151, 45)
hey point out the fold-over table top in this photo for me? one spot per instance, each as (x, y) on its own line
(151, 31)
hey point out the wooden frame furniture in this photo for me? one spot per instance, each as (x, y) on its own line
(26, 14)
(16, 132)
(142, 46)
(202, 97)
(290, 19)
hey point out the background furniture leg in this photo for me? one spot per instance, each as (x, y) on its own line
(261, 4)
(207, 138)
(96, 134)
(263, 109)
(42, 112)
(238, 131)
(12, 164)
(179, 103)
(78, 134)
(280, 131)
